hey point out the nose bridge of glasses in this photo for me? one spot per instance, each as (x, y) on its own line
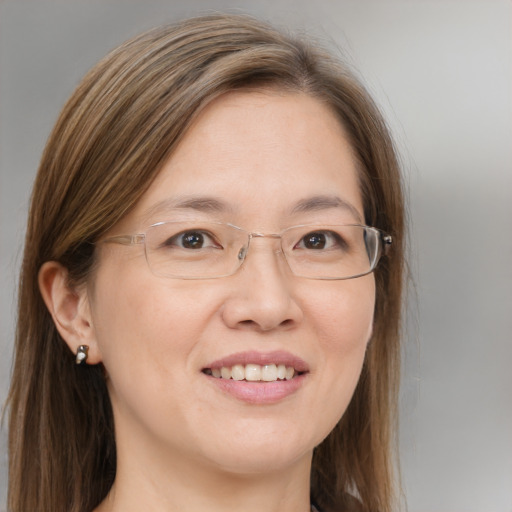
(242, 253)
(264, 235)
(274, 236)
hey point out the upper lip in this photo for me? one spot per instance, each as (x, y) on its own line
(262, 358)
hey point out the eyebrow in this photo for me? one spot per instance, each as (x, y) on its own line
(326, 202)
(204, 204)
(210, 204)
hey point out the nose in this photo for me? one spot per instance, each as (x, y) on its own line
(261, 295)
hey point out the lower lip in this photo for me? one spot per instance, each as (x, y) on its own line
(258, 392)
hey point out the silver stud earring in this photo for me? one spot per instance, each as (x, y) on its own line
(81, 354)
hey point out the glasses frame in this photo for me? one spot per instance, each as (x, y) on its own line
(384, 241)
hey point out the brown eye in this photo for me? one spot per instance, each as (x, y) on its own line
(192, 240)
(314, 241)
(322, 241)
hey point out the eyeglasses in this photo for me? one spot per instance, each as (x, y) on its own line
(208, 250)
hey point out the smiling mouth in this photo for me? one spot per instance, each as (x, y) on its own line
(254, 372)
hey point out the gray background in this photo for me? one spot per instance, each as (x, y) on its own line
(442, 72)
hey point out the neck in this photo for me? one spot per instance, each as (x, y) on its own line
(186, 485)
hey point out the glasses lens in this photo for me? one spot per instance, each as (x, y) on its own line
(331, 252)
(192, 250)
(195, 250)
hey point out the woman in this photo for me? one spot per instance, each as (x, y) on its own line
(216, 238)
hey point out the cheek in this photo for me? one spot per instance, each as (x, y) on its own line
(343, 323)
(148, 325)
(139, 319)
(147, 333)
(344, 314)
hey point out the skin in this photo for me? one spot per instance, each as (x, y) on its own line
(183, 444)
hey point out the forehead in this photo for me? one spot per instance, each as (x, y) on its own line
(248, 149)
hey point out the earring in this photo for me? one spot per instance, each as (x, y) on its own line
(81, 354)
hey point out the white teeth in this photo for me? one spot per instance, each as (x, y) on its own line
(254, 372)
(269, 372)
(238, 372)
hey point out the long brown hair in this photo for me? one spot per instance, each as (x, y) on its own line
(113, 135)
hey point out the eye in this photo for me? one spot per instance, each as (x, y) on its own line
(318, 240)
(193, 239)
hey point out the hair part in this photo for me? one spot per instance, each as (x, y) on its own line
(111, 140)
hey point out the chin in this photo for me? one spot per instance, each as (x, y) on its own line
(254, 462)
(263, 450)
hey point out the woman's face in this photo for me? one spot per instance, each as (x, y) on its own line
(262, 161)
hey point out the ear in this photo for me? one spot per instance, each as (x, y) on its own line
(70, 309)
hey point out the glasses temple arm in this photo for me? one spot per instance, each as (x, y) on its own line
(125, 239)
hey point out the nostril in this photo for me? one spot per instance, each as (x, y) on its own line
(252, 324)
